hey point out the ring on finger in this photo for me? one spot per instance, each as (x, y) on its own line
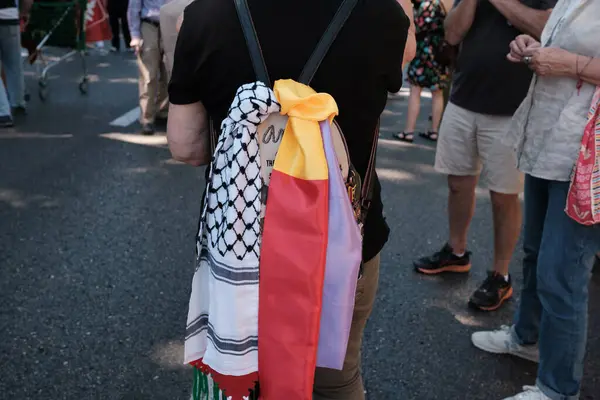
(527, 60)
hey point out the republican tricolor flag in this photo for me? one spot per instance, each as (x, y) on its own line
(310, 253)
(294, 247)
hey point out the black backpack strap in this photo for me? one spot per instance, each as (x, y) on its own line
(334, 28)
(258, 62)
(367, 186)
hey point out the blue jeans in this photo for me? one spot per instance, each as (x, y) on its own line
(557, 268)
(11, 62)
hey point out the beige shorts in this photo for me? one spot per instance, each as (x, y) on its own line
(470, 144)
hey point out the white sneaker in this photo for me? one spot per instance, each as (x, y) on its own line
(502, 342)
(530, 393)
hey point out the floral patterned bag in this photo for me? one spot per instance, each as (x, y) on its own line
(583, 200)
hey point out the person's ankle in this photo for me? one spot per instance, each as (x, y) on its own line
(458, 250)
(503, 272)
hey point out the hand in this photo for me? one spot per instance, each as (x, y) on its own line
(136, 45)
(24, 17)
(551, 61)
(519, 46)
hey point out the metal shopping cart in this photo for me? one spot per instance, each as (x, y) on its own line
(57, 24)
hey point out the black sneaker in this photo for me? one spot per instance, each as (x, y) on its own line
(443, 261)
(492, 293)
(6, 121)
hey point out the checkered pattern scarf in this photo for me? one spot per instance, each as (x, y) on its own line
(222, 326)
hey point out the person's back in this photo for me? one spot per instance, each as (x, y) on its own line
(364, 63)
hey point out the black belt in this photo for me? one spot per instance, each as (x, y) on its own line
(151, 22)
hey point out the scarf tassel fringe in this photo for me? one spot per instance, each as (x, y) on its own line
(206, 389)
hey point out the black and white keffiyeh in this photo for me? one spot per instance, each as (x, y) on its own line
(222, 326)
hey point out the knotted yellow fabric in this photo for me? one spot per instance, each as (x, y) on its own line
(302, 139)
(294, 247)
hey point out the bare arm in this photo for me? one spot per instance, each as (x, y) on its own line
(527, 20)
(459, 21)
(553, 61)
(188, 133)
(411, 42)
(591, 73)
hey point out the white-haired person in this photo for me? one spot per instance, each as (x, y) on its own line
(550, 324)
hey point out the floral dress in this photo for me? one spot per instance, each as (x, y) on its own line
(424, 70)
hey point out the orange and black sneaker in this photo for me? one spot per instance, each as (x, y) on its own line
(492, 293)
(443, 261)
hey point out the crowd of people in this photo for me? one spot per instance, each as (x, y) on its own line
(522, 86)
(134, 23)
(522, 76)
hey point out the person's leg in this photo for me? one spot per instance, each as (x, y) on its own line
(113, 18)
(347, 384)
(506, 209)
(461, 208)
(149, 60)
(6, 120)
(437, 109)
(457, 157)
(5, 112)
(521, 339)
(13, 66)
(505, 182)
(163, 92)
(414, 107)
(564, 270)
(125, 28)
(528, 314)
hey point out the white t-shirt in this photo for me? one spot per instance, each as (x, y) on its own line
(9, 11)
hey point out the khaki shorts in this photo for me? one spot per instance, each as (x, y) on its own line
(470, 144)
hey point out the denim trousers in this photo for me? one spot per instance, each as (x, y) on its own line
(11, 62)
(557, 268)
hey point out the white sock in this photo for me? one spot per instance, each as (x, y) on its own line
(506, 277)
(459, 255)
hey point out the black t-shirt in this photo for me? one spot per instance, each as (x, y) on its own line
(484, 81)
(363, 64)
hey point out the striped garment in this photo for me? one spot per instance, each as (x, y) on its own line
(583, 200)
(222, 328)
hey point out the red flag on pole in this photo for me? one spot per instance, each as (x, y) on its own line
(97, 28)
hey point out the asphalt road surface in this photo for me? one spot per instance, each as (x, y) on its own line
(97, 232)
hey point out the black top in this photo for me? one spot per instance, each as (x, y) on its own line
(8, 4)
(363, 64)
(484, 81)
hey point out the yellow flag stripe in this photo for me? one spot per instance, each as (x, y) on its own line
(301, 154)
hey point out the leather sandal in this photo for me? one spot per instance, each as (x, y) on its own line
(408, 137)
(431, 135)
